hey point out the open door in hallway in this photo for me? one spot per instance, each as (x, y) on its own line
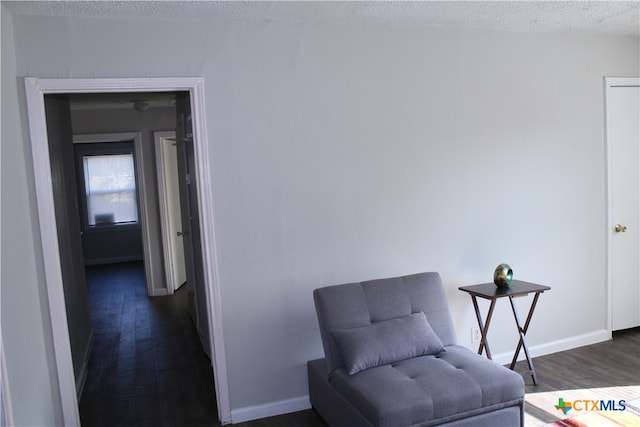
(190, 219)
(170, 215)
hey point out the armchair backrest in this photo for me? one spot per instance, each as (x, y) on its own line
(359, 304)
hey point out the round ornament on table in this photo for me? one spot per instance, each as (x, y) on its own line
(502, 276)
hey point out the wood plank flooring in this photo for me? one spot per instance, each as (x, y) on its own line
(606, 364)
(147, 367)
(614, 363)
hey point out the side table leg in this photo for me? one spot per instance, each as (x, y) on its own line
(522, 343)
(484, 342)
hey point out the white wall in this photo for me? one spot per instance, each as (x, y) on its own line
(26, 331)
(345, 153)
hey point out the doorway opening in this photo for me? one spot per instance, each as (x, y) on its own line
(54, 253)
(166, 149)
(112, 198)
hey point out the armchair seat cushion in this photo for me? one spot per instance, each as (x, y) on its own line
(449, 385)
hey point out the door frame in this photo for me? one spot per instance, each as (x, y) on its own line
(143, 208)
(609, 84)
(36, 89)
(6, 414)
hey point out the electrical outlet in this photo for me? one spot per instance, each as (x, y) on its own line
(475, 335)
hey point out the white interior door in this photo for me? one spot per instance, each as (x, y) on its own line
(623, 131)
(167, 165)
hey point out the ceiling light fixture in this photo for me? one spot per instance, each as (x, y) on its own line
(141, 106)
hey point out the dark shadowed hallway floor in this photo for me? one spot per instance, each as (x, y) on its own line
(147, 367)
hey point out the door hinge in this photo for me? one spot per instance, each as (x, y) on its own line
(187, 179)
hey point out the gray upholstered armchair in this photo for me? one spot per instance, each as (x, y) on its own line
(391, 359)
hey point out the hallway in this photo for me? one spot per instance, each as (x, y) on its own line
(147, 367)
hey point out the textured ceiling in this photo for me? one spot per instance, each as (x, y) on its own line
(614, 17)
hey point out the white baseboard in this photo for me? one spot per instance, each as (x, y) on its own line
(270, 409)
(556, 346)
(159, 292)
(82, 377)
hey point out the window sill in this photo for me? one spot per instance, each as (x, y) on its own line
(110, 228)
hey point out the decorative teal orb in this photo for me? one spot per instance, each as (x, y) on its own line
(502, 276)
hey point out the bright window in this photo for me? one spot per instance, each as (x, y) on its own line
(110, 187)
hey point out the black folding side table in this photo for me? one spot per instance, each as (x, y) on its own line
(491, 292)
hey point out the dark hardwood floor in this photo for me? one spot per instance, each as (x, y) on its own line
(607, 364)
(613, 363)
(147, 367)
